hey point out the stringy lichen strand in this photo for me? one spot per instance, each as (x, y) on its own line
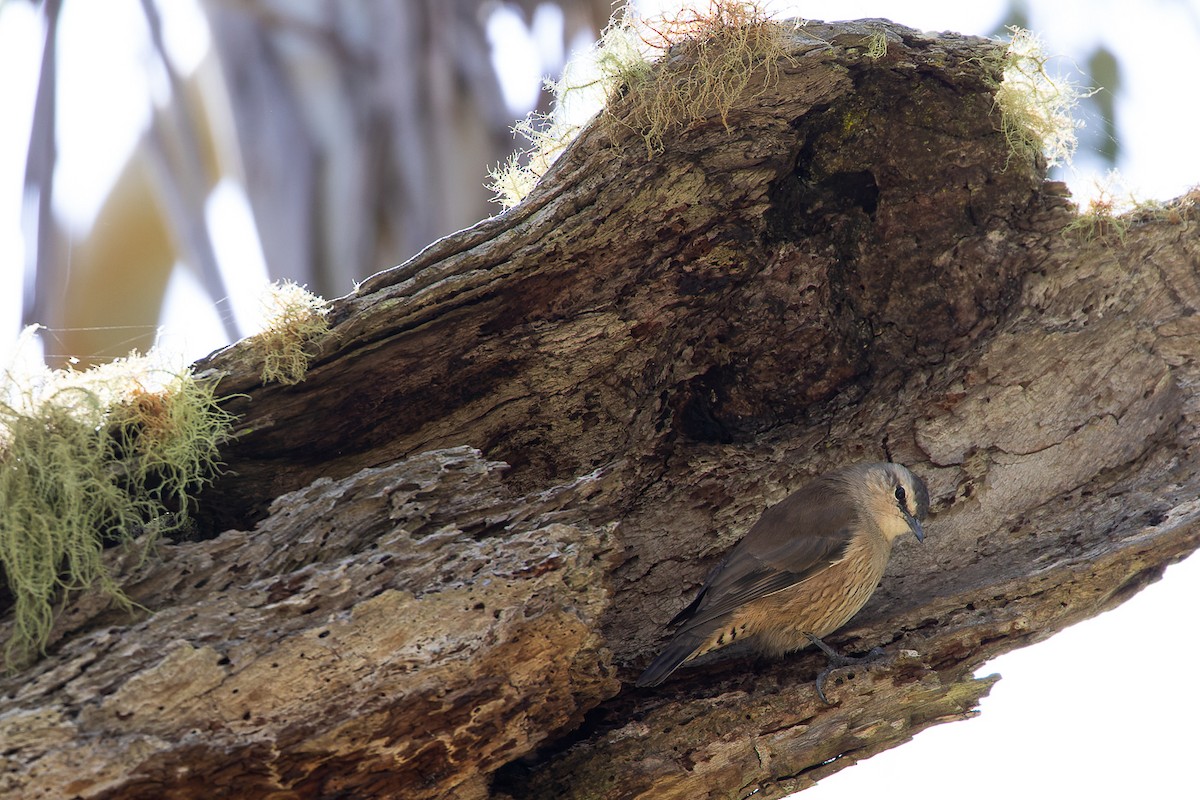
(649, 77)
(91, 459)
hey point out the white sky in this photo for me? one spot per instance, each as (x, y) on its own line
(1082, 715)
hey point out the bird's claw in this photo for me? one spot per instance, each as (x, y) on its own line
(837, 661)
(821, 685)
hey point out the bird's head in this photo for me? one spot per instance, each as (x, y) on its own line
(893, 498)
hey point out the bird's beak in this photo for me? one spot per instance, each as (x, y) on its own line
(916, 528)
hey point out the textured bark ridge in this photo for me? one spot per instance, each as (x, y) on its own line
(435, 566)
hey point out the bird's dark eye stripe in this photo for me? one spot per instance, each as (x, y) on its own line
(900, 493)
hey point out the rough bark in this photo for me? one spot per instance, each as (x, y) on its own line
(853, 267)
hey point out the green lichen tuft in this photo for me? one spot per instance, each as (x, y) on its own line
(89, 460)
(294, 319)
(1112, 208)
(1104, 216)
(711, 60)
(876, 46)
(650, 76)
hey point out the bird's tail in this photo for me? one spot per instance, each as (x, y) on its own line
(678, 650)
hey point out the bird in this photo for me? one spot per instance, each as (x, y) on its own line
(807, 566)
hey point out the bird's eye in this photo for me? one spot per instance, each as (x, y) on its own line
(900, 494)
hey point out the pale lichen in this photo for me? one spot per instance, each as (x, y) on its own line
(90, 459)
(294, 319)
(651, 76)
(876, 46)
(1035, 107)
(1111, 208)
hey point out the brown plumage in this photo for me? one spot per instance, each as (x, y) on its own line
(805, 568)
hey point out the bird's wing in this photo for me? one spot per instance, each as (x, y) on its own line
(793, 540)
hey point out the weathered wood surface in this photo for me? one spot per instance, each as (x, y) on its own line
(854, 269)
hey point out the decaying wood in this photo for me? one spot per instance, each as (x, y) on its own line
(854, 268)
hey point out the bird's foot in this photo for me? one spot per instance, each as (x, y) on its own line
(837, 661)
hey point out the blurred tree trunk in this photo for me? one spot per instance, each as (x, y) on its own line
(360, 132)
(852, 267)
(366, 130)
